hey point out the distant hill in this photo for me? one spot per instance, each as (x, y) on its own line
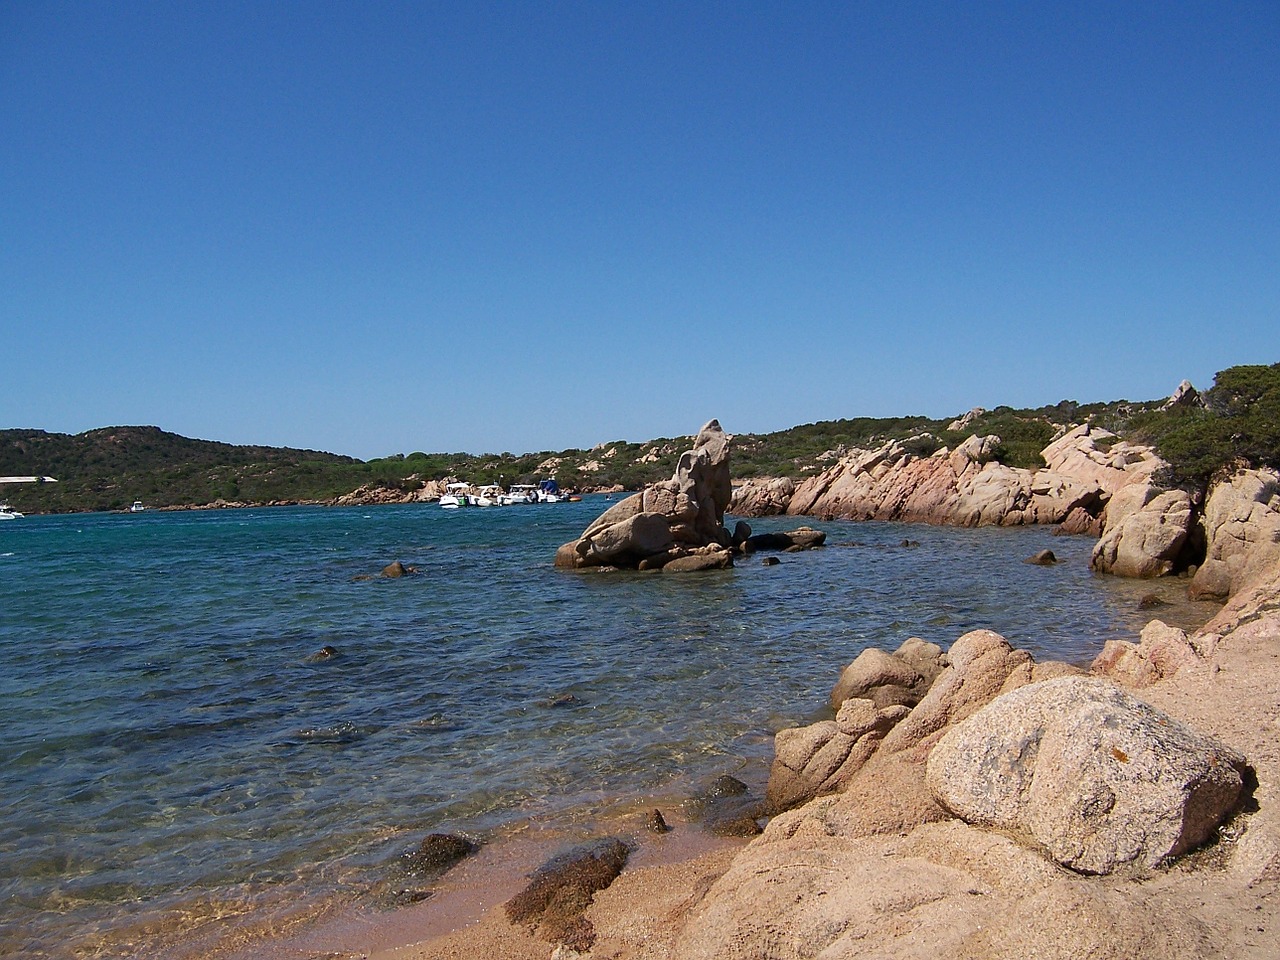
(109, 468)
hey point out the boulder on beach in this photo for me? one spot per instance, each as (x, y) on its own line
(563, 887)
(1161, 652)
(1096, 778)
(901, 677)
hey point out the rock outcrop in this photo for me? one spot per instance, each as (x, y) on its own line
(1241, 520)
(1061, 779)
(890, 703)
(1098, 779)
(1144, 533)
(1085, 467)
(762, 497)
(677, 526)
(677, 518)
(964, 486)
(1090, 453)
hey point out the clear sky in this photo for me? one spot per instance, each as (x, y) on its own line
(375, 228)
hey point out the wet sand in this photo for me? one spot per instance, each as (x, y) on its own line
(464, 907)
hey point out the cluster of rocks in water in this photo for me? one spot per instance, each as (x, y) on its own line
(677, 525)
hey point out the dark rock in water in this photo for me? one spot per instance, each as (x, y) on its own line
(726, 786)
(436, 723)
(1044, 558)
(437, 853)
(396, 569)
(564, 700)
(324, 653)
(744, 825)
(1152, 600)
(803, 538)
(564, 886)
(408, 897)
(770, 562)
(726, 808)
(361, 578)
(339, 734)
(655, 822)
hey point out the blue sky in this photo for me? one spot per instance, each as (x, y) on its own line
(380, 228)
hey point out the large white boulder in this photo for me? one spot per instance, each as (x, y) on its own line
(1095, 777)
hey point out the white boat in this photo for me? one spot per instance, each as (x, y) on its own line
(137, 507)
(490, 495)
(455, 496)
(549, 492)
(7, 512)
(519, 493)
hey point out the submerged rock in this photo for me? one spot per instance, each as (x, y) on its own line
(437, 853)
(726, 808)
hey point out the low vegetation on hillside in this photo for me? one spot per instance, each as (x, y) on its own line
(109, 468)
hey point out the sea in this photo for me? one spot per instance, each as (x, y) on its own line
(207, 714)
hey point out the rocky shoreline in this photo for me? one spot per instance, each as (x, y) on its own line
(967, 802)
(1014, 809)
(974, 803)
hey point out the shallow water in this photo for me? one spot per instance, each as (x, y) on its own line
(168, 746)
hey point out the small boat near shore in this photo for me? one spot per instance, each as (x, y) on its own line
(459, 494)
(7, 512)
(455, 496)
(490, 495)
(520, 493)
(549, 492)
(136, 507)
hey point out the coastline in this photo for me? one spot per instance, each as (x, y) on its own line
(463, 916)
(1223, 901)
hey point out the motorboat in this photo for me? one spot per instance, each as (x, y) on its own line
(490, 495)
(519, 493)
(7, 512)
(455, 496)
(136, 507)
(549, 492)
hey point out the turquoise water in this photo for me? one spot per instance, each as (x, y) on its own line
(166, 739)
